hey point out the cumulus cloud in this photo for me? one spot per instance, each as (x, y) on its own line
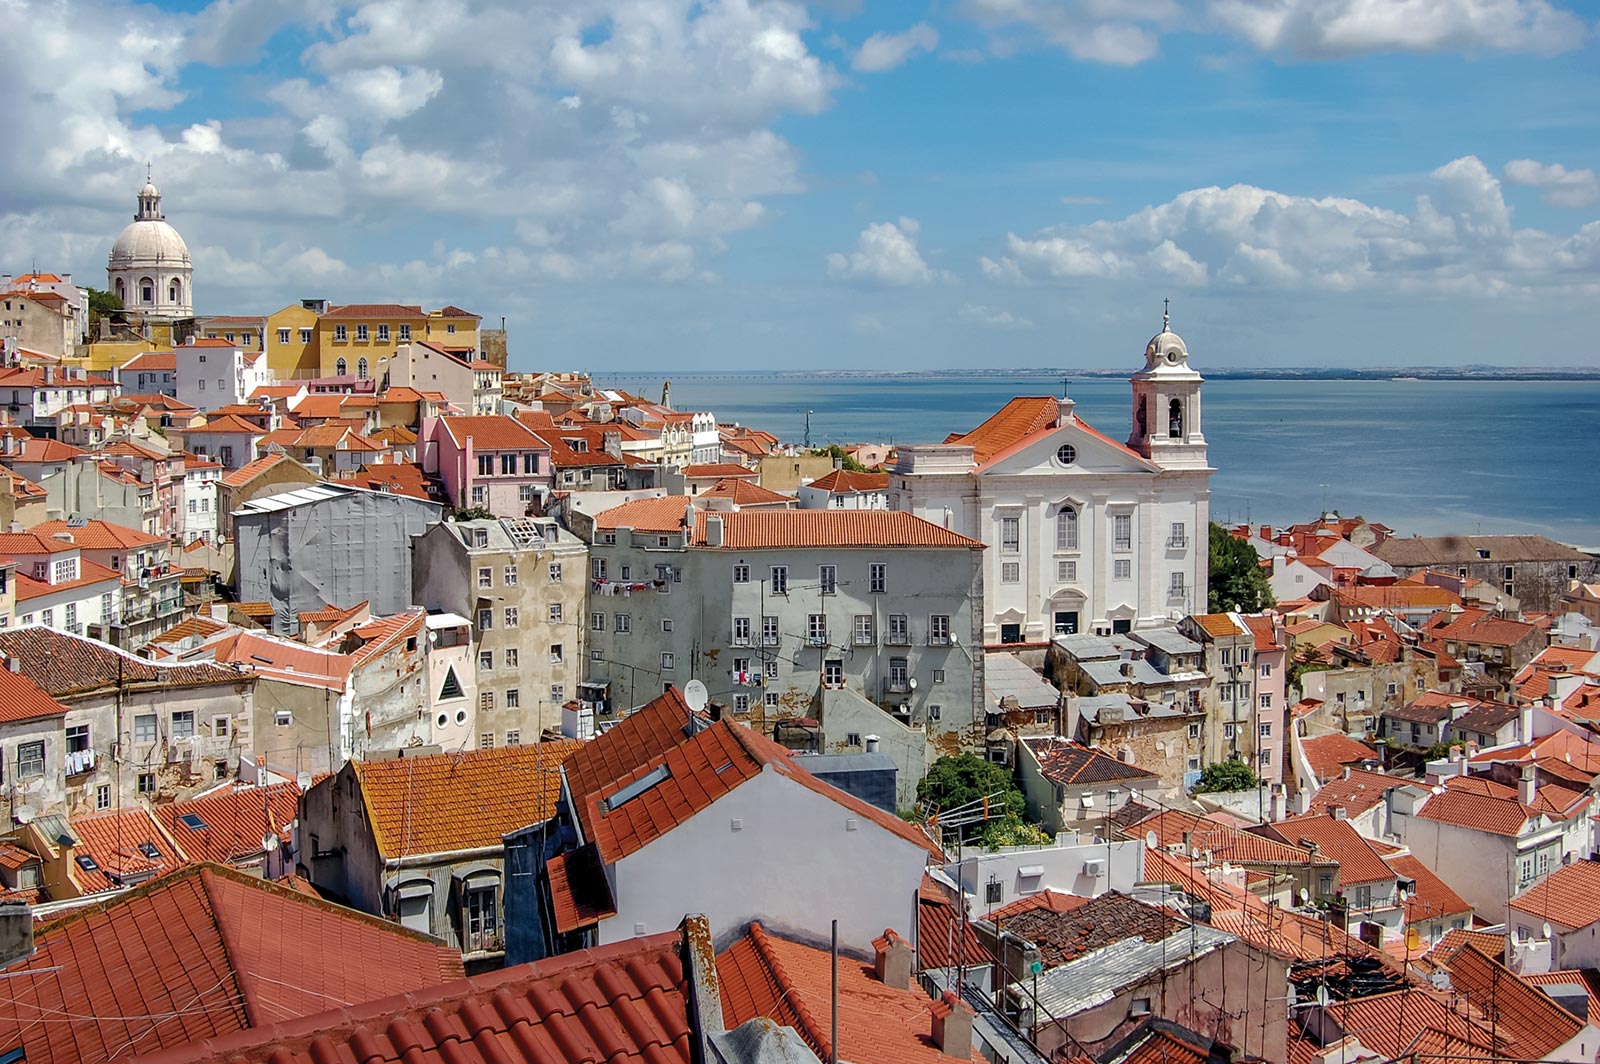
(1122, 33)
(1458, 236)
(886, 253)
(1331, 28)
(978, 314)
(1561, 187)
(885, 51)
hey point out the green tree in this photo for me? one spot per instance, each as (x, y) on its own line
(955, 781)
(1308, 659)
(1237, 580)
(473, 513)
(840, 455)
(1230, 775)
(101, 304)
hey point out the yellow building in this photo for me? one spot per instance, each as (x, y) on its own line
(352, 338)
(455, 330)
(245, 331)
(120, 343)
(292, 340)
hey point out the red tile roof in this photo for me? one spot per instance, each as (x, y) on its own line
(1266, 636)
(234, 820)
(1362, 791)
(624, 1003)
(458, 801)
(642, 736)
(579, 892)
(250, 470)
(661, 514)
(1011, 424)
(845, 481)
(1529, 1020)
(1226, 842)
(719, 470)
(943, 939)
(1072, 764)
(101, 535)
(152, 362)
(763, 975)
(1054, 900)
(1431, 897)
(374, 310)
(1358, 862)
(228, 424)
(31, 543)
(496, 432)
(21, 699)
(1478, 626)
(779, 529)
(67, 665)
(1328, 754)
(197, 954)
(112, 839)
(89, 573)
(1569, 896)
(744, 493)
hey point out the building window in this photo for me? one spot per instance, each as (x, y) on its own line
(511, 657)
(1010, 572)
(513, 735)
(183, 724)
(622, 623)
(1175, 585)
(509, 576)
(1067, 529)
(405, 332)
(102, 796)
(1266, 701)
(1179, 536)
(146, 783)
(741, 574)
(305, 336)
(741, 703)
(340, 335)
(1122, 569)
(939, 630)
(1122, 532)
(144, 728)
(816, 629)
(30, 760)
(833, 672)
(1010, 534)
(558, 693)
(780, 580)
(485, 700)
(1066, 572)
(771, 670)
(769, 631)
(361, 332)
(852, 739)
(899, 630)
(597, 622)
(525, 491)
(741, 631)
(485, 620)
(383, 332)
(666, 624)
(898, 675)
(863, 630)
(485, 576)
(934, 712)
(283, 718)
(555, 653)
(666, 661)
(508, 465)
(828, 578)
(486, 741)
(597, 568)
(485, 661)
(877, 578)
(555, 613)
(486, 465)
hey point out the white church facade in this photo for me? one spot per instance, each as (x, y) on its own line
(1085, 534)
(149, 268)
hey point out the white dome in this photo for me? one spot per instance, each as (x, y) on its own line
(1164, 341)
(149, 242)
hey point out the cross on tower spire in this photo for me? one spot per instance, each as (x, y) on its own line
(1166, 314)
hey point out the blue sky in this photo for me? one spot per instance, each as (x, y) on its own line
(649, 184)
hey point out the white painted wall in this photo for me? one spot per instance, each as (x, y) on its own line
(1064, 870)
(794, 864)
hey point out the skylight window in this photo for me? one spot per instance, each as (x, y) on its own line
(87, 863)
(150, 851)
(636, 788)
(192, 821)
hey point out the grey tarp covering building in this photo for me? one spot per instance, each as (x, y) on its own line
(328, 545)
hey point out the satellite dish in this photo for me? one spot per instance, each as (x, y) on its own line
(1151, 842)
(1227, 869)
(695, 693)
(912, 683)
(1546, 929)
(1322, 996)
(1303, 895)
(269, 841)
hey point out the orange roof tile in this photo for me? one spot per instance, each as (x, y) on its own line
(1016, 421)
(763, 975)
(845, 481)
(579, 893)
(1220, 625)
(718, 470)
(100, 535)
(1362, 791)
(1532, 1023)
(744, 493)
(1328, 754)
(496, 432)
(228, 424)
(662, 514)
(459, 801)
(1358, 862)
(250, 470)
(779, 529)
(1480, 627)
(1569, 896)
(374, 310)
(152, 362)
(1226, 842)
(233, 820)
(1055, 901)
(943, 938)
(113, 841)
(1430, 897)
(21, 699)
(89, 574)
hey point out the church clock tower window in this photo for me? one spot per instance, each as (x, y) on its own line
(1175, 419)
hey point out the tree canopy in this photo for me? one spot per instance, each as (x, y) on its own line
(1230, 775)
(840, 455)
(1237, 580)
(101, 304)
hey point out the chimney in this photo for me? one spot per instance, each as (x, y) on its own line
(1277, 804)
(1127, 668)
(1562, 685)
(872, 744)
(952, 1026)
(1525, 724)
(1346, 774)
(1266, 533)
(1341, 813)
(713, 530)
(1527, 789)
(892, 961)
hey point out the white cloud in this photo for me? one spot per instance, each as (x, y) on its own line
(1330, 28)
(886, 253)
(1561, 187)
(885, 51)
(1119, 32)
(979, 314)
(1459, 236)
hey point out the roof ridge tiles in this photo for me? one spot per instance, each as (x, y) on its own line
(814, 1032)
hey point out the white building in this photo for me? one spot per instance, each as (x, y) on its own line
(846, 490)
(200, 476)
(215, 373)
(59, 588)
(1086, 534)
(149, 267)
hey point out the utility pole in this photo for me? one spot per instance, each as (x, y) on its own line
(808, 430)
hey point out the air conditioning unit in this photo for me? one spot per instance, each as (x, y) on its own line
(1096, 867)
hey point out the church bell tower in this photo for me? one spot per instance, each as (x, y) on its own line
(1166, 403)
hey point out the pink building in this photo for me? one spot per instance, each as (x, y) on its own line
(1271, 709)
(493, 461)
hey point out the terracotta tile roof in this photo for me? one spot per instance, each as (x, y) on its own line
(718, 470)
(1478, 810)
(277, 659)
(1361, 792)
(623, 1003)
(943, 940)
(1055, 901)
(1482, 628)
(234, 821)
(779, 529)
(1528, 1019)
(228, 424)
(496, 432)
(115, 841)
(249, 471)
(1072, 764)
(459, 801)
(381, 634)
(1585, 978)
(1220, 625)
(89, 574)
(398, 478)
(1396, 597)
(562, 454)
(763, 975)
(67, 665)
(374, 310)
(1328, 754)
(1392, 1024)
(21, 699)
(1109, 918)
(34, 449)
(1011, 424)
(661, 514)
(456, 312)
(1569, 896)
(1533, 680)
(845, 481)
(330, 614)
(744, 493)
(1485, 717)
(152, 362)
(1445, 950)
(100, 535)
(1358, 862)
(1224, 841)
(1431, 898)
(1266, 637)
(1158, 1046)
(640, 737)
(579, 892)
(210, 950)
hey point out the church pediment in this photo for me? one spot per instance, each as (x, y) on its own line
(1072, 449)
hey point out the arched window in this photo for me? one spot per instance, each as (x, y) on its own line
(1067, 529)
(1175, 419)
(361, 369)
(147, 290)
(175, 291)
(122, 290)
(340, 367)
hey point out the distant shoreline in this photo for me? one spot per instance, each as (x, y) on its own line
(1408, 375)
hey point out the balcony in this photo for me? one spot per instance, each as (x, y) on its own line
(80, 762)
